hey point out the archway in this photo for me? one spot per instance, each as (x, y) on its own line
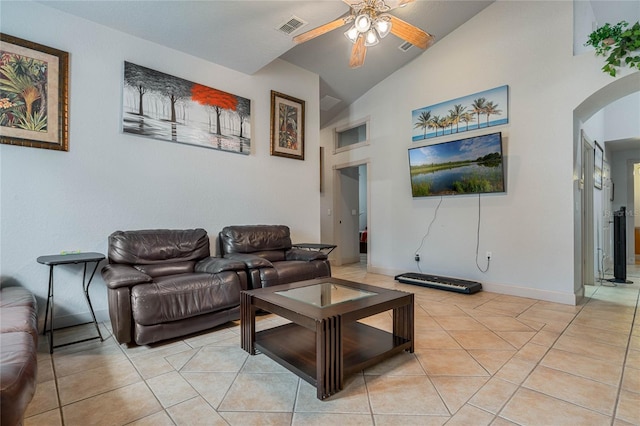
(615, 90)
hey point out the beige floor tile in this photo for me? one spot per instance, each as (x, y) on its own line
(48, 418)
(400, 420)
(435, 339)
(594, 321)
(460, 323)
(109, 407)
(503, 323)
(456, 391)
(634, 342)
(583, 346)
(94, 356)
(211, 386)
(545, 338)
(171, 389)
(92, 382)
(163, 348)
(352, 398)
(211, 337)
(45, 367)
(227, 359)
(45, 399)
(151, 365)
(262, 364)
(322, 419)
(580, 365)
(257, 419)
(442, 310)
(480, 339)
(606, 316)
(450, 362)
(404, 395)
(633, 359)
(531, 352)
(631, 380)
(504, 307)
(517, 339)
(528, 407)
(426, 324)
(402, 364)
(177, 361)
(577, 390)
(261, 392)
(161, 418)
(515, 370)
(500, 421)
(628, 408)
(195, 411)
(471, 415)
(491, 360)
(493, 395)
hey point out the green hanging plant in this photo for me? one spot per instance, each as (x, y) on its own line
(619, 44)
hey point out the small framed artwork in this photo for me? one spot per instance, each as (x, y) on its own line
(598, 165)
(34, 94)
(287, 126)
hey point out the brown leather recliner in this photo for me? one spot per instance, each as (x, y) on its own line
(267, 251)
(163, 283)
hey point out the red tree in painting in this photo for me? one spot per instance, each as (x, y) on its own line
(217, 100)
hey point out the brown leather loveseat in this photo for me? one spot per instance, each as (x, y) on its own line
(18, 353)
(162, 283)
(270, 258)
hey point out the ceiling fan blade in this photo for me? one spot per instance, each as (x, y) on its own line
(410, 33)
(322, 29)
(358, 53)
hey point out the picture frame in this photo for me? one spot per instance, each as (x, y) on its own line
(191, 113)
(287, 126)
(34, 96)
(598, 166)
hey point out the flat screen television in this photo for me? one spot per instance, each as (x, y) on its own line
(463, 166)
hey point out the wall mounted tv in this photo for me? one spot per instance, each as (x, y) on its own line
(463, 166)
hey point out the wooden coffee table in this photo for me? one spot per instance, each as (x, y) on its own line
(324, 343)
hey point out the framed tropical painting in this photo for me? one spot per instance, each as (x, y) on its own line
(287, 126)
(34, 94)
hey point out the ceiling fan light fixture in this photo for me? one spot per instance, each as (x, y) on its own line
(371, 38)
(363, 23)
(352, 34)
(382, 26)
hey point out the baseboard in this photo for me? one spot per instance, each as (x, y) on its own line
(531, 293)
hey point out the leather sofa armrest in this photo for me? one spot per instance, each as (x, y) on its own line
(215, 265)
(115, 276)
(251, 260)
(306, 255)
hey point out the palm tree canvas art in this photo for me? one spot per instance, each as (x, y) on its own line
(472, 112)
(169, 108)
(33, 94)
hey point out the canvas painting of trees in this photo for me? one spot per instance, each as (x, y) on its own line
(33, 94)
(169, 108)
(472, 112)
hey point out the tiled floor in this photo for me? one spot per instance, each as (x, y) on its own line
(479, 360)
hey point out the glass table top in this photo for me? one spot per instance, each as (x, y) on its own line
(325, 294)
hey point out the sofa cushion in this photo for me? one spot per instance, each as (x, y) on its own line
(158, 246)
(18, 367)
(18, 311)
(176, 297)
(16, 296)
(253, 238)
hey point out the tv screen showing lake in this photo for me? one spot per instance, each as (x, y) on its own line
(464, 166)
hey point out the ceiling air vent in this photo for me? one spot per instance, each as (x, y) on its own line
(291, 24)
(405, 46)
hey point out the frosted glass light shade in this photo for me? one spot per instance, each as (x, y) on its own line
(362, 23)
(371, 39)
(382, 26)
(352, 34)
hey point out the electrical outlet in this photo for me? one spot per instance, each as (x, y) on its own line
(488, 255)
(417, 257)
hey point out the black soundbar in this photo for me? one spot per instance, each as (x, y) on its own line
(439, 282)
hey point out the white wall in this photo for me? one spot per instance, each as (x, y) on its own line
(621, 118)
(530, 229)
(54, 201)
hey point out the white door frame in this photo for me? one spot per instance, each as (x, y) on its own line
(337, 198)
(587, 181)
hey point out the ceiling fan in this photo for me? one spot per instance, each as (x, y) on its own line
(371, 22)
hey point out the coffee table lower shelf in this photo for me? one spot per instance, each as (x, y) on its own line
(294, 347)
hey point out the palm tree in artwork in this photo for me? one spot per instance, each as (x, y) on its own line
(435, 123)
(491, 109)
(478, 107)
(466, 118)
(423, 122)
(444, 123)
(455, 115)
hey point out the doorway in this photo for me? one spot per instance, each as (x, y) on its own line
(351, 205)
